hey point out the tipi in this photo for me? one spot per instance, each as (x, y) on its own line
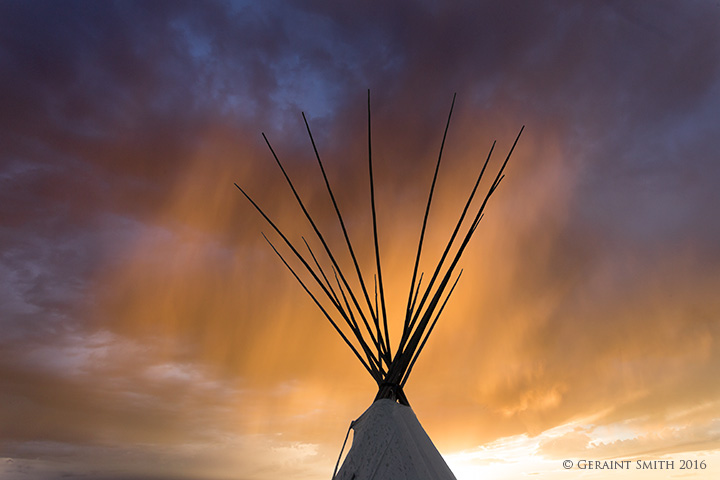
(388, 442)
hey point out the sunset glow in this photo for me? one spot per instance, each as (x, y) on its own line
(150, 332)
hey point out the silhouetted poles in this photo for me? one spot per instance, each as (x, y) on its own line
(367, 322)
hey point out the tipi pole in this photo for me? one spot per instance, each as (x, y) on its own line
(324, 243)
(375, 234)
(424, 224)
(373, 314)
(438, 268)
(432, 326)
(370, 368)
(297, 254)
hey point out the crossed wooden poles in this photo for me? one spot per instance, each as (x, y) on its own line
(366, 318)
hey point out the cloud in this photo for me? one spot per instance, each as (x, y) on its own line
(669, 440)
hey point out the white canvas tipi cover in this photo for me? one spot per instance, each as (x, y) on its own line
(390, 444)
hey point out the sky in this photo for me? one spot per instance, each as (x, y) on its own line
(147, 330)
